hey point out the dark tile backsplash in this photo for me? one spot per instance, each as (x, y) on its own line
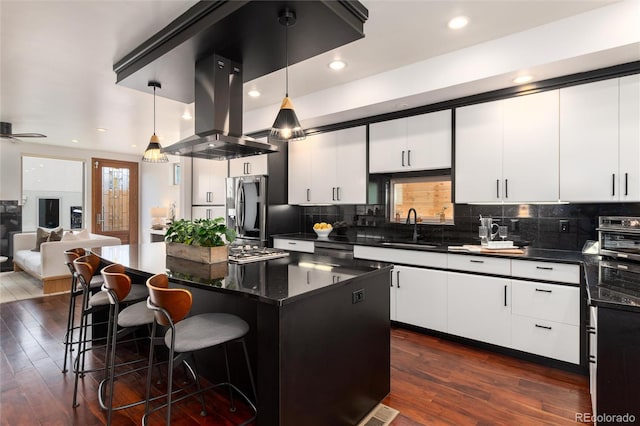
(536, 225)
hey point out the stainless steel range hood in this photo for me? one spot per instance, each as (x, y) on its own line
(218, 115)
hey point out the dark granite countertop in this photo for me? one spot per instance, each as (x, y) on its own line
(548, 255)
(277, 281)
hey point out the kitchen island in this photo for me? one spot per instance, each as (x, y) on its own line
(319, 338)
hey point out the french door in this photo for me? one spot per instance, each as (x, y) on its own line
(114, 199)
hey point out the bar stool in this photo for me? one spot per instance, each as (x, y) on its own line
(117, 286)
(187, 335)
(85, 267)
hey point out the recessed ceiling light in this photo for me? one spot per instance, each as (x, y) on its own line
(133, 145)
(522, 79)
(458, 22)
(187, 115)
(337, 65)
(74, 140)
(101, 129)
(254, 93)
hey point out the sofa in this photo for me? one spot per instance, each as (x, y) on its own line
(48, 264)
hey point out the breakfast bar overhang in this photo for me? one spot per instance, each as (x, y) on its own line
(319, 338)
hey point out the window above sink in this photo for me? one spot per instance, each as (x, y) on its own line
(430, 196)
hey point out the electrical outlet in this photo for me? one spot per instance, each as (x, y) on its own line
(357, 296)
(563, 226)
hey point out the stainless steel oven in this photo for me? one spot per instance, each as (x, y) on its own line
(619, 237)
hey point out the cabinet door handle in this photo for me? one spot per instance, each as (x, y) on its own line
(543, 326)
(476, 261)
(308, 194)
(402, 158)
(248, 168)
(545, 268)
(333, 193)
(391, 277)
(208, 214)
(505, 295)
(398, 279)
(337, 193)
(209, 197)
(409, 158)
(626, 184)
(613, 184)
(592, 359)
(308, 277)
(544, 291)
(497, 188)
(292, 243)
(506, 188)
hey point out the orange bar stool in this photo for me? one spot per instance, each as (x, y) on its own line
(185, 335)
(85, 267)
(122, 322)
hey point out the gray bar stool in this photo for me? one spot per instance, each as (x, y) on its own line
(85, 267)
(187, 335)
(122, 323)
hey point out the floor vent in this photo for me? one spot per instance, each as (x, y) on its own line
(379, 416)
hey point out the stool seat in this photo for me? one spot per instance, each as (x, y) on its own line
(220, 328)
(135, 315)
(137, 292)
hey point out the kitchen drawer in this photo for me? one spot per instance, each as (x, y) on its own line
(546, 338)
(548, 271)
(405, 257)
(293, 245)
(552, 302)
(482, 264)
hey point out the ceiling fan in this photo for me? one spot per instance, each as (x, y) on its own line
(5, 133)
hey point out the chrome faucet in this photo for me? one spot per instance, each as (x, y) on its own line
(415, 223)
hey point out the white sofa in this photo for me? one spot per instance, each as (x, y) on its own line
(48, 264)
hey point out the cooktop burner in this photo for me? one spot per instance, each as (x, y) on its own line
(249, 253)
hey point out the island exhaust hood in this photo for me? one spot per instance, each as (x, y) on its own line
(218, 114)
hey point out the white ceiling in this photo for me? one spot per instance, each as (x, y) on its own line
(56, 61)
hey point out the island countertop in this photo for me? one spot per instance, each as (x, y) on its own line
(276, 281)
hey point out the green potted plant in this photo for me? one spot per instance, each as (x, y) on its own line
(199, 240)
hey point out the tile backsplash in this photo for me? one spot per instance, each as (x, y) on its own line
(537, 225)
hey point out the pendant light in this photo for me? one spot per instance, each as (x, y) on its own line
(286, 127)
(153, 153)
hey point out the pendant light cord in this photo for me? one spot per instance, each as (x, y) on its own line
(286, 55)
(154, 110)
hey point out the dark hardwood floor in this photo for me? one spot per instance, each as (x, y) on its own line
(434, 381)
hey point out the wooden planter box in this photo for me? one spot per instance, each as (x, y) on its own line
(197, 253)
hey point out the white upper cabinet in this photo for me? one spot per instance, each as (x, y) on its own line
(589, 142)
(253, 165)
(507, 150)
(329, 168)
(421, 142)
(630, 138)
(208, 182)
(478, 171)
(600, 141)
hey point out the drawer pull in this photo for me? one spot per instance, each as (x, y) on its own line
(476, 261)
(545, 268)
(292, 243)
(544, 291)
(543, 326)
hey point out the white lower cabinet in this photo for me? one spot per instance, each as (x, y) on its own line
(546, 338)
(419, 297)
(479, 308)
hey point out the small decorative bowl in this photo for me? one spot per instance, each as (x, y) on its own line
(323, 233)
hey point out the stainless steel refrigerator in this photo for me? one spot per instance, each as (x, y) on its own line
(251, 210)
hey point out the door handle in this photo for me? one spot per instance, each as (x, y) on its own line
(208, 213)
(497, 188)
(626, 184)
(391, 277)
(402, 158)
(613, 184)
(333, 193)
(506, 188)
(248, 168)
(209, 197)
(308, 194)
(505, 295)
(337, 193)
(409, 157)
(398, 279)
